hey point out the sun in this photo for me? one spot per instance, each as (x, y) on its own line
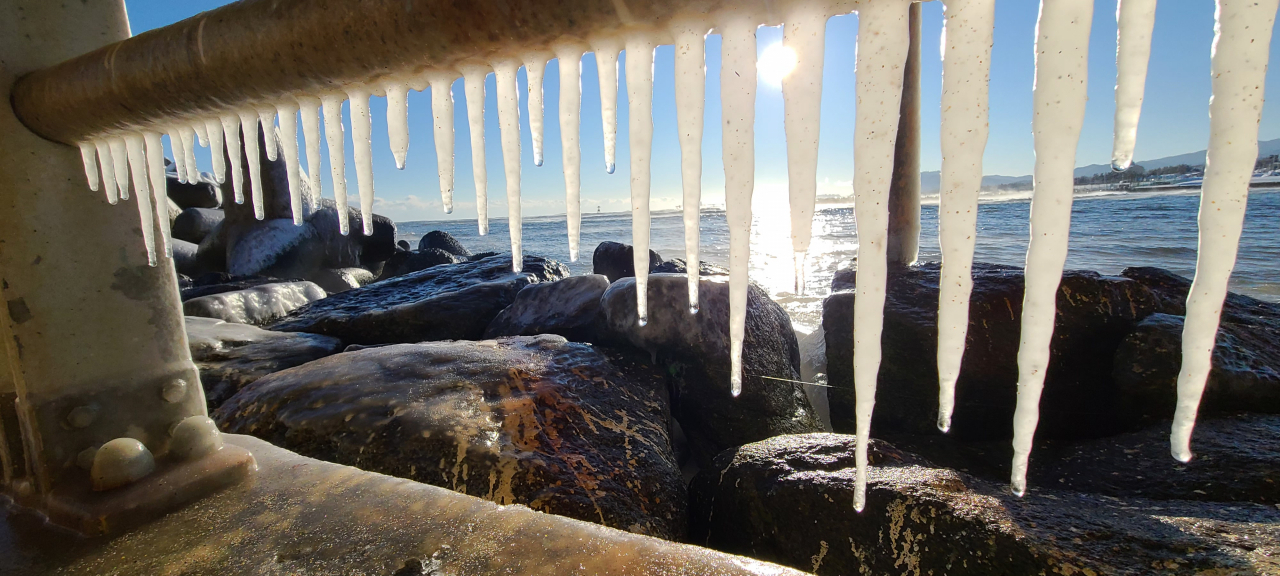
(776, 62)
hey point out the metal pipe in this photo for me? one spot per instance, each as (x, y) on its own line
(904, 189)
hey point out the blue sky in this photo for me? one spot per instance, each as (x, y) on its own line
(1174, 118)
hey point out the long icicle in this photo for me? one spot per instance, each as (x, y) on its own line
(107, 167)
(1134, 21)
(606, 50)
(1238, 69)
(966, 67)
(146, 219)
(738, 104)
(397, 120)
(231, 138)
(442, 119)
(335, 136)
(89, 155)
(120, 165)
(267, 118)
(473, 84)
(640, 133)
(249, 127)
(216, 145)
(362, 148)
(179, 154)
(504, 72)
(535, 67)
(189, 150)
(691, 90)
(1062, 65)
(883, 42)
(310, 108)
(287, 110)
(805, 33)
(154, 152)
(569, 57)
(202, 134)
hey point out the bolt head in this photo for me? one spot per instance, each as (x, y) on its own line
(174, 391)
(120, 462)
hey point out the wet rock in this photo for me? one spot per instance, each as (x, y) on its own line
(679, 266)
(1245, 374)
(219, 282)
(694, 348)
(200, 194)
(341, 279)
(789, 500)
(257, 305)
(406, 262)
(403, 246)
(615, 260)
(231, 356)
(448, 302)
(1171, 291)
(1079, 400)
(274, 248)
(443, 241)
(530, 420)
(194, 224)
(569, 307)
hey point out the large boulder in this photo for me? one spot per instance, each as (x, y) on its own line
(402, 263)
(1245, 373)
(789, 500)
(257, 305)
(231, 356)
(679, 266)
(276, 247)
(335, 280)
(452, 302)
(1171, 291)
(185, 256)
(219, 282)
(569, 307)
(442, 240)
(202, 193)
(694, 348)
(1094, 313)
(532, 420)
(614, 260)
(193, 224)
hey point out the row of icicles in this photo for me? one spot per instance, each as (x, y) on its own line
(1238, 66)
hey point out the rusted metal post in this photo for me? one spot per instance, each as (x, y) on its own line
(904, 190)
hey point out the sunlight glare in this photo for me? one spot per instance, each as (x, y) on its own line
(776, 62)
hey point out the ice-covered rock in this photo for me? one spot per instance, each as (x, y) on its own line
(230, 356)
(569, 307)
(256, 305)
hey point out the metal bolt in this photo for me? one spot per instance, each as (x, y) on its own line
(82, 416)
(174, 391)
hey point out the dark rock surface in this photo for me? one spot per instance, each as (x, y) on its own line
(531, 420)
(568, 307)
(1094, 314)
(694, 349)
(615, 260)
(679, 266)
(193, 224)
(402, 263)
(441, 240)
(200, 194)
(441, 303)
(219, 282)
(789, 500)
(231, 356)
(1171, 291)
(184, 256)
(335, 280)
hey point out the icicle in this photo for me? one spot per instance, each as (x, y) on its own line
(504, 72)
(802, 94)
(1134, 22)
(179, 155)
(288, 112)
(189, 149)
(1062, 64)
(267, 117)
(535, 67)
(154, 159)
(231, 137)
(362, 143)
(120, 165)
(442, 115)
(108, 171)
(202, 135)
(966, 67)
(606, 50)
(216, 145)
(1238, 68)
(249, 126)
(146, 218)
(334, 135)
(883, 42)
(310, 108)
(397, 120)
(473, 84)
(691, 89)
(738, 104)
(88, 155)
(569, 55)
(640, 123)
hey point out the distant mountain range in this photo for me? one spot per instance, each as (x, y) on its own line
(930, 182)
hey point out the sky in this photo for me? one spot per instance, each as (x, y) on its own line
(1174, 116)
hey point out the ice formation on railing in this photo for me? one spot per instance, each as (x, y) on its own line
(966, 67)
(1239, 63)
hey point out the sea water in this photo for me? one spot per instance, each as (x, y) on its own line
(1109, 232)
